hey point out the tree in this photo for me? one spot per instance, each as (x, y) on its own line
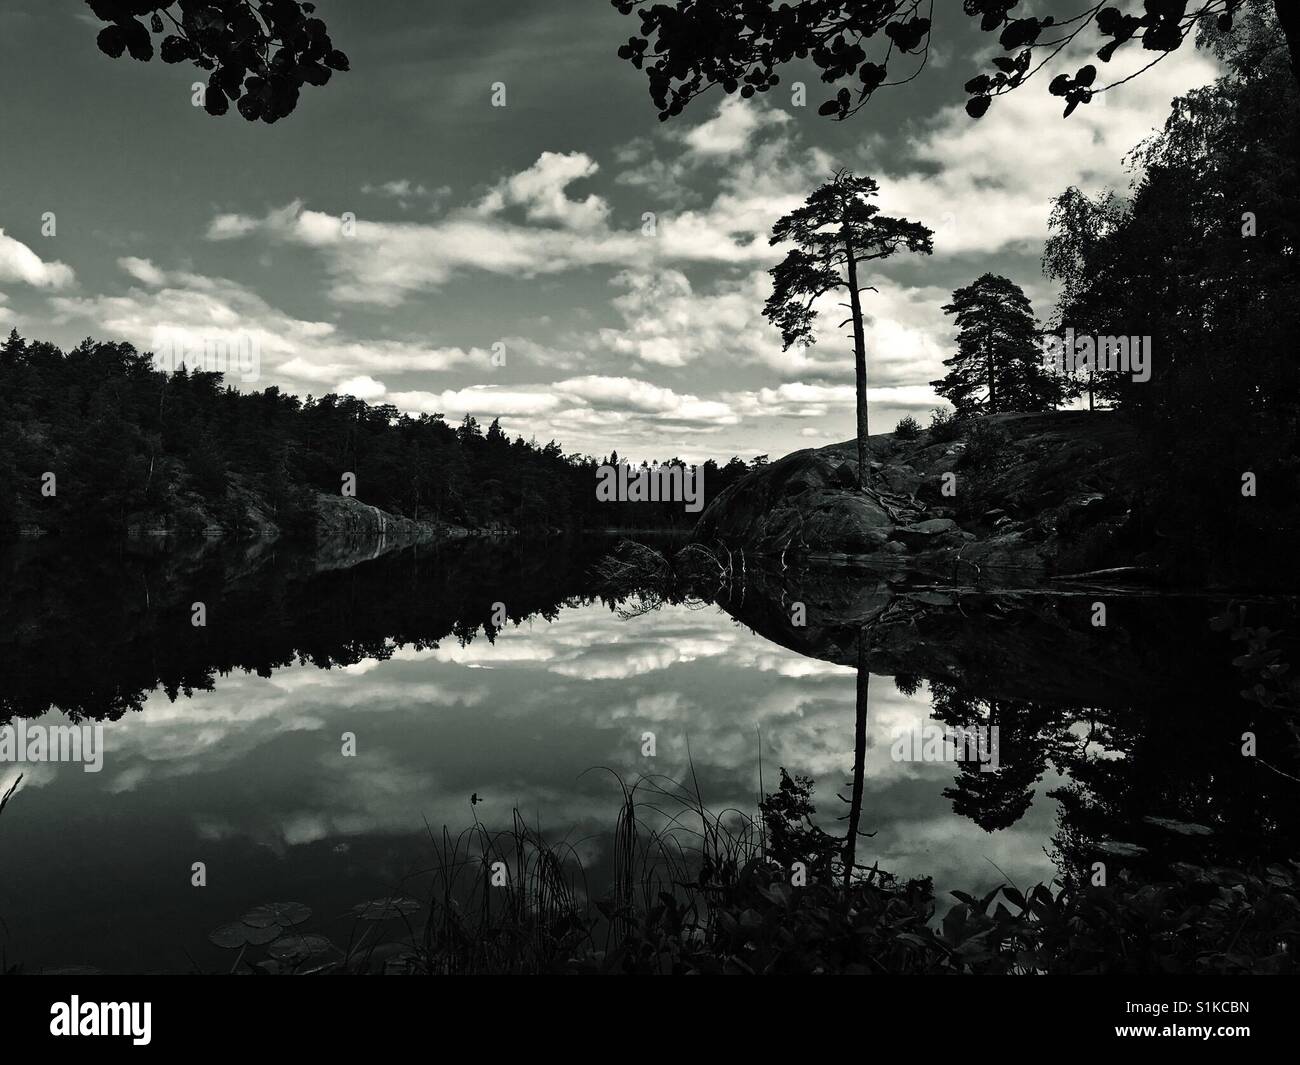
(260, 55)
(1079, 226)
(1202, 262)
(836, 230)
(998, 365)
(739, 44)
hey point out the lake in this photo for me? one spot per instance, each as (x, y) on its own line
(305, 742)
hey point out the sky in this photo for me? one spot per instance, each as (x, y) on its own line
(564, 262)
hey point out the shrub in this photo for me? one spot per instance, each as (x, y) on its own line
(987, 446)
(908, 428)
(944, 426)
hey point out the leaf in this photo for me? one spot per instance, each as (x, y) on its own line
(112, 41)
(296, 948)
(386, 909)
(283, 914)
(214, 101)
(977, 105)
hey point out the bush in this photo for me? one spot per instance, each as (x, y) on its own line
(908, 428)
(944, 426)
(987, 446)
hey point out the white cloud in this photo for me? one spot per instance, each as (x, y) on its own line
(209, 314)
(542, 190)
(18, 263)
(731, 129)
(366, 388)
(985, 185)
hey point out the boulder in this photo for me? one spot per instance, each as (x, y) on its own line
(930, 533)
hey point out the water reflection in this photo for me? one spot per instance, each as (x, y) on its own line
(224, 744)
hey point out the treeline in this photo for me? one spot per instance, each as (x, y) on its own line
(97, 441)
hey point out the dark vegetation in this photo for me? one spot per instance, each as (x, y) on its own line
(1205, 259)
(687, 47)
(700, 892)
(259, 55)
(130, 445)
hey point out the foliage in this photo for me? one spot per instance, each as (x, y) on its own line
(689, 46)
(130, 444)
(988, 446)
(944, 426)
(834, 233)
(998, 366)
(726, 902)
(908, 428)
(1203, 261)
(260, 55)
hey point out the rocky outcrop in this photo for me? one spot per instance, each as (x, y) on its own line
(1038, 494)
(349, 531)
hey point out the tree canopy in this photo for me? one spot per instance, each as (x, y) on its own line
(259, 55)
(689, 46)
(835, 232)
(998, 365)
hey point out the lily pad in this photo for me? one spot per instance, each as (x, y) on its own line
(1183, 828)
(238, 934)
(385, 909)
(283, 914)
(295, 948)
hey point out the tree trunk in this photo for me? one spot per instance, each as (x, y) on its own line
(859, 760)
(860, 365)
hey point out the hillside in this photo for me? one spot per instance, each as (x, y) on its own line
(1033, 495)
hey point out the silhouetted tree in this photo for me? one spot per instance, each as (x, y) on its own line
(259, 54)
(1202, 261)
(691, 45)
(834, 233)
(998, 365)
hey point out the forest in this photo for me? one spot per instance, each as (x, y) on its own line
(132, 446)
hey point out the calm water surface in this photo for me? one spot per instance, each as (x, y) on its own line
(248, 776)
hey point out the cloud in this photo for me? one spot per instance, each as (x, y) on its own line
(366, 388)
(542, 191)
(385, 263)
(207, 315)
(18, 263)
(731, 129)
(622, 405)
(985, 186)
(406, 192)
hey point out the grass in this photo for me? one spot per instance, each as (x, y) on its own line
(693, 891)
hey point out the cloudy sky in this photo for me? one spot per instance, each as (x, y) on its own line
(615, 265)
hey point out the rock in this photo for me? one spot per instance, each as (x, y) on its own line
(852, 522)
(925, 534)
(349, 531)
(846, 475)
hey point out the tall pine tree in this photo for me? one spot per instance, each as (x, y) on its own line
(998, 366)
(836, 233)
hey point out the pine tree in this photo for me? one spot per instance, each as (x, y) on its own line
(834, 233)
(998, 366)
